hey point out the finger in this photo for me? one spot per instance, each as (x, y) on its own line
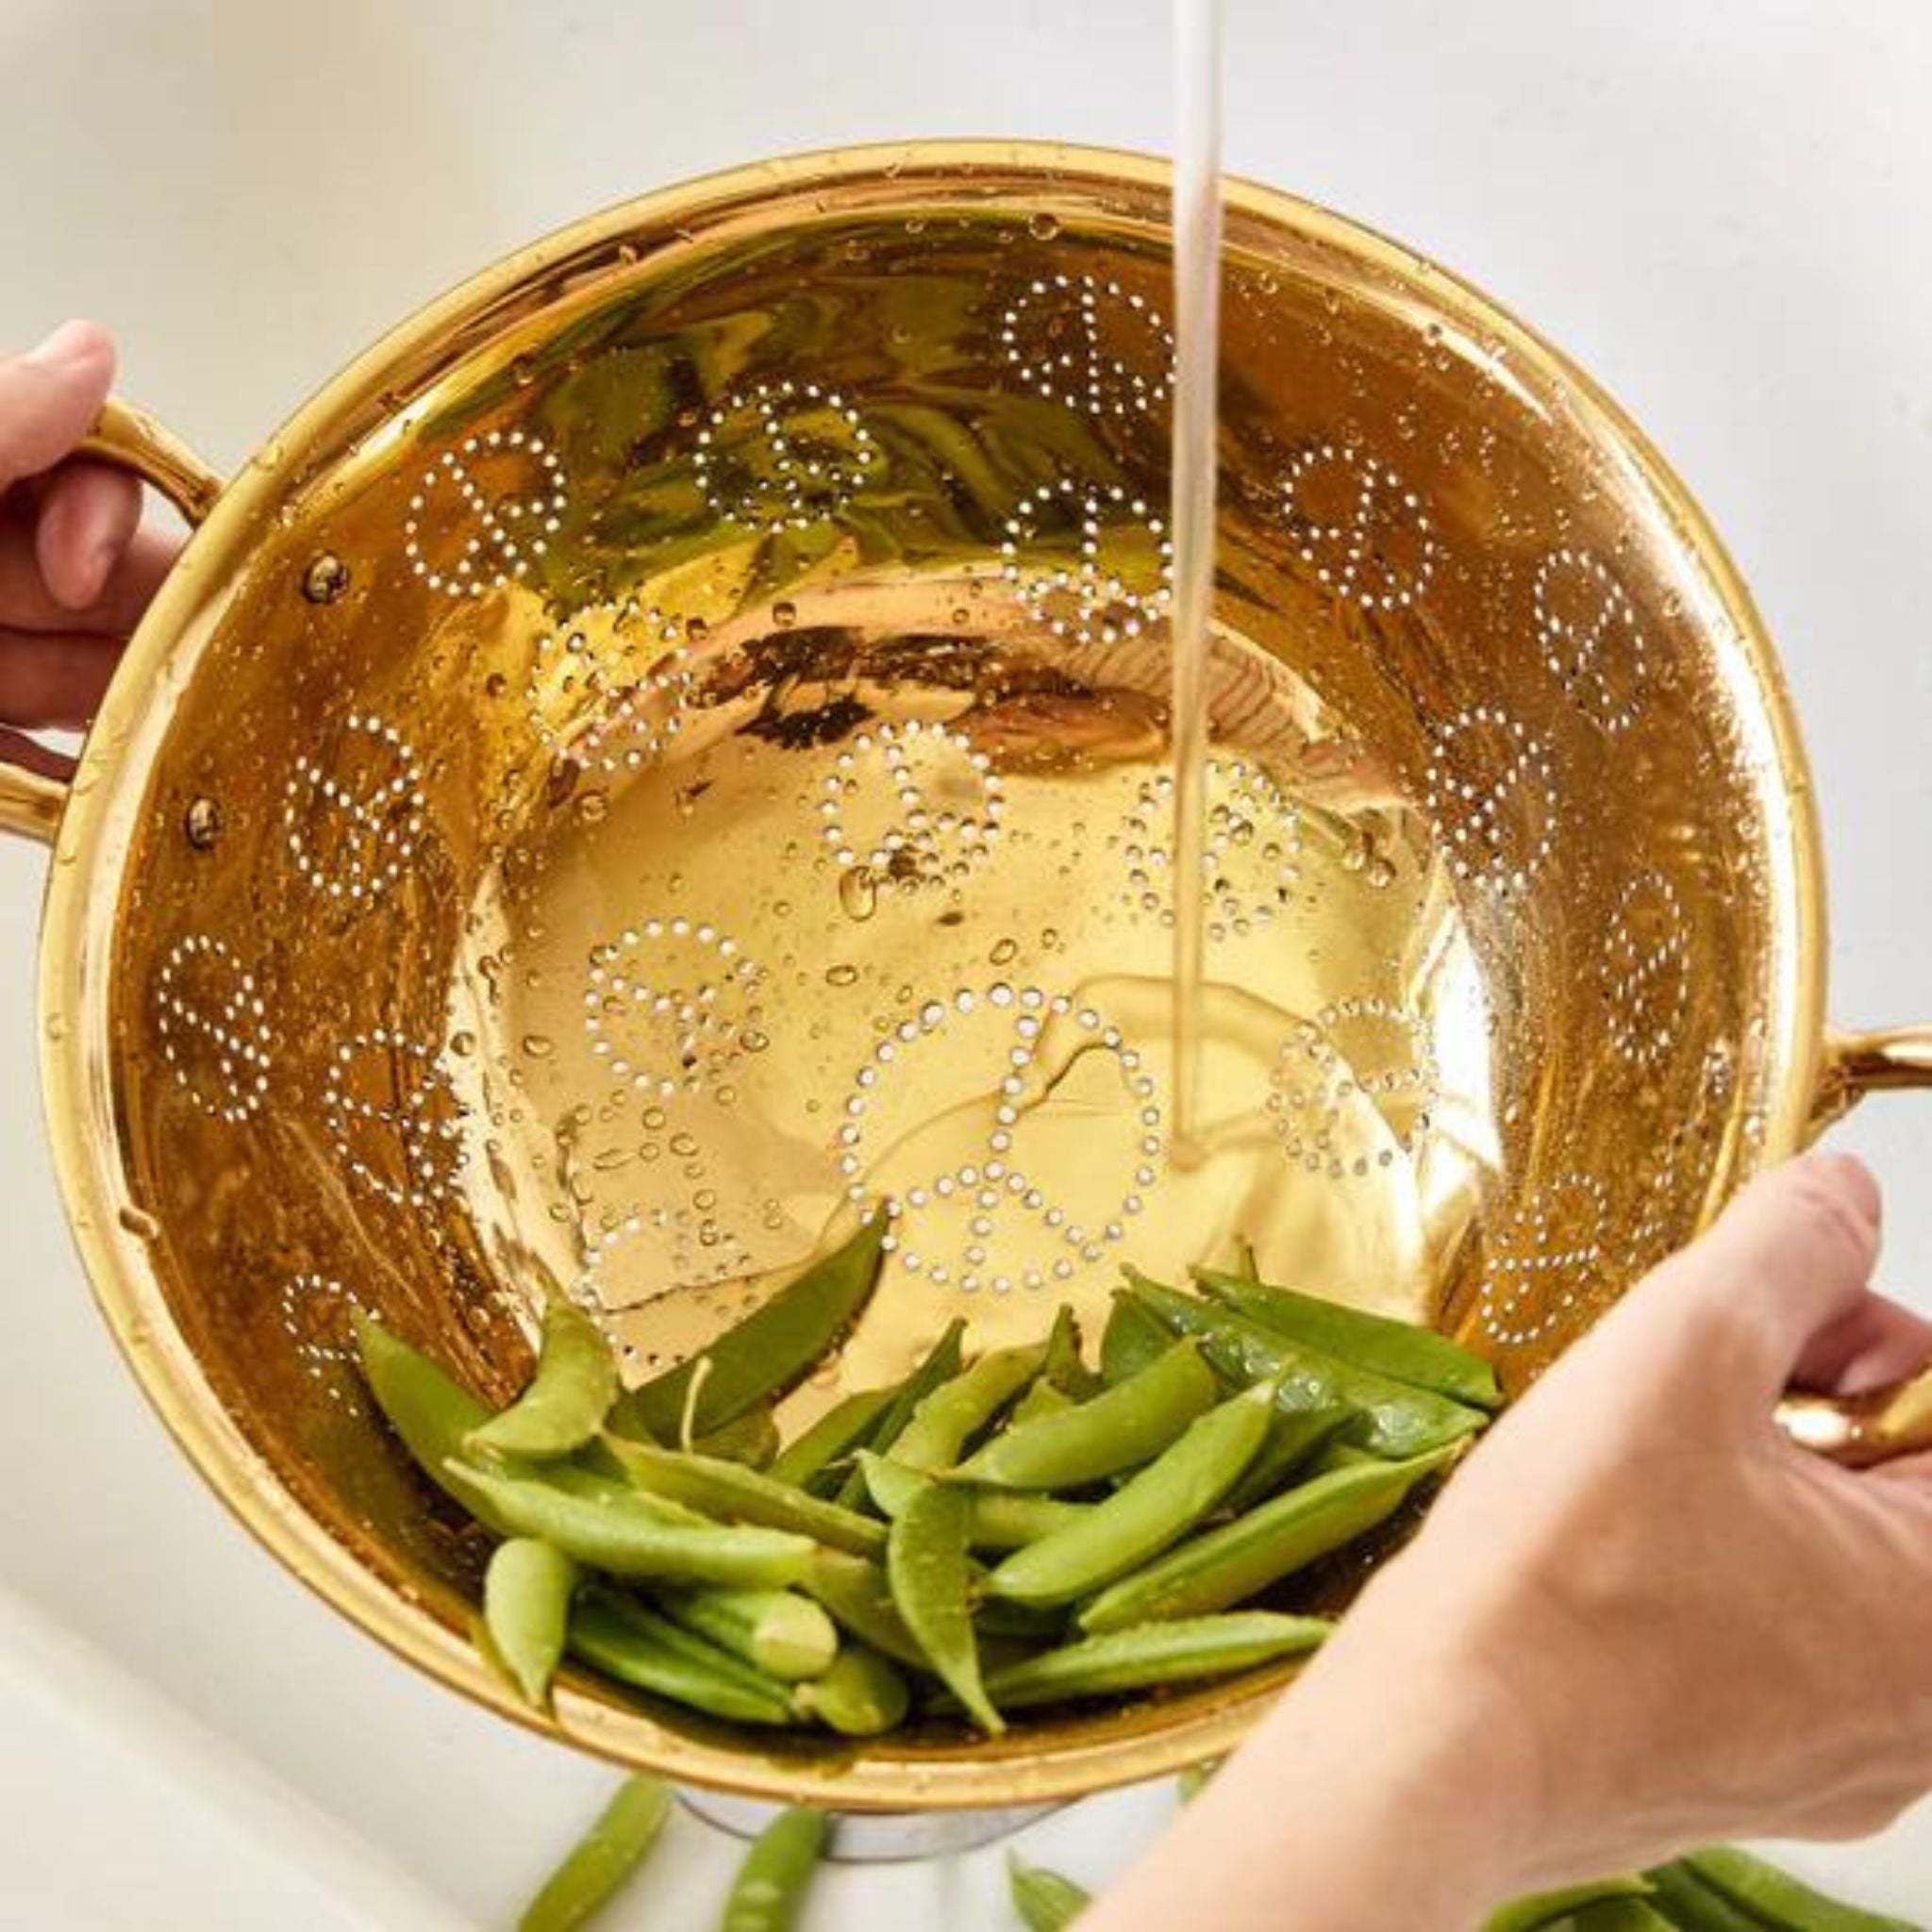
(1876, 1342)
(50, 397)
(88, 515)
(54, 680)
(16, 748)
(27, 604)
(1792, 1255)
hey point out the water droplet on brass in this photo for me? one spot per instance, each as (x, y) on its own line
(462, 1044)
(1044, 226)
(539, 1046)
(202, 822)
(841, 974)
(1004, 951)
(785, 613)
(857, 894)
(592, 806)
(140, 1223)
(523, 370)
(325, 579)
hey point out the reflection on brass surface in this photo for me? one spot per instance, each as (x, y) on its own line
(672, 744)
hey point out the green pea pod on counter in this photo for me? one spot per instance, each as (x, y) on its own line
(770, 1889)
(1555, 1907)
(1148, 1512)
(1402, 1350)
(602, 1860)
(760, 1358)
(1295, 1438)
(1143, 1659)
(860, 1599)
(526, 1597)
(568, 1397)
(605, 1527)
(739, 1494)
(1131, 1340)
(431, 1413)
(1771, 1897)
(940, 1364)
(777, 1631)
(947, 1419)
(634, 1645)
(1237, 1560)
(930, 1573)
(1124, 1426)
(842, 1429)
(1043, 1901)
(1399, 1421)
(858, 1696)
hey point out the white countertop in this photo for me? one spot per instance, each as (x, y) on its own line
(1719, 209)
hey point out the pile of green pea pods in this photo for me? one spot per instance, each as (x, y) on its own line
(987, 1536)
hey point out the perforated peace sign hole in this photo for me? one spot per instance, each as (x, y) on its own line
(212, 1023)
(484, 512)
(967, 1185)
(393, 1118)
(1253, 855)
(784, 455)
(1117, 576)
(1489, 794)
(614, 694)
(1086, 342)
(316, 1312)
(1591, 637)
(1364, 533)
(353, 814)
(910, 802)
(1645, 971)
(1546, 1263)
(1360, 1063)
(670, 1005)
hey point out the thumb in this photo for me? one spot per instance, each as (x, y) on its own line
(1790, 1256)
(50, 398)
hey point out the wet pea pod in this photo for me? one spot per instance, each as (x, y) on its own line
(738, 1495)
(1765, 1895)
(857, 1595)
(617, 1636)
(1147, 1513)
(777, 1631)
(1399, 1421)
(770, 1889)
(1237, 1560)
(431, 1413)
(526, 1597)
(1402, 1350)
(602, 1860)
(999, 1518)
(940, 1364)
(1043, 1901)
(568, 1397)
(1043, 1398)
(858, 1696)
(1131, 1340)
(605, 1527)
(959, 1408)
(1295, 1438)
(1122, 1427)
(931, 1579)
(752, 1440)
(1556, 1909)
(843, 1427)
(1065, 1368)
(760, 1358)
(1145, 1659)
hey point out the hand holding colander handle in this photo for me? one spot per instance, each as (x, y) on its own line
(30, 802)
(1896, 1420)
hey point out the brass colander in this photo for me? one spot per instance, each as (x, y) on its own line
(609, 499)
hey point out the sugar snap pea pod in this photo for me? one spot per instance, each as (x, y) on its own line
(1401, 1420)
(526, 1594)
(858, 1695)
(602, 1860)
(1120, 1428)
(1614, 1915)
(941, 1364)
(1007, 1519)
(1554, 1907)
(860, 1599)
(1161, 1654)
(610, 1530)
(842, 1429)
(568, 1397)
(890, 1483)
(429, 1411)
(758, 1358)
(739, 1495)
(1295, 1438)
(947, 1419)
(1402, 1350)
(769, 1893)
(637, 1646)
(1043, 1398)
(930, 1575)
(1043, 1901)
(777, 1631)
(1066, 1368)
(1131, 1340)
(1777, 1898)
(1019, 1624)
(1238, 1560)
(1146, 1513)
(752, 1440)
(1688, 1903)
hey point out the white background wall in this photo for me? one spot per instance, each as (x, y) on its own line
(1719, 206)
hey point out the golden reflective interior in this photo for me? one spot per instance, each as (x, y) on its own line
(688, 754)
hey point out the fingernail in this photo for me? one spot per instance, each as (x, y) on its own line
(1851, 1180)
(73, 342)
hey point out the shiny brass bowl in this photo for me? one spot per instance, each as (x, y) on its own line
(602, 479)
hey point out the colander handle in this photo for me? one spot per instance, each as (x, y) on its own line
(1896, 1420)
(30, 802)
